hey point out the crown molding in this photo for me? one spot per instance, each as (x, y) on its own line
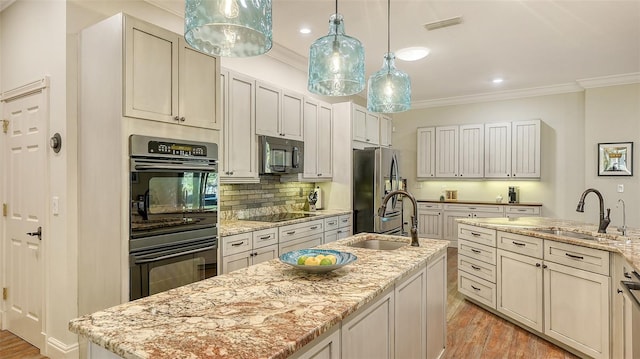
(498, 96)
(288, 57)
(622, 79)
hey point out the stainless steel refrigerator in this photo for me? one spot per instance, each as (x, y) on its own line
(376, 173)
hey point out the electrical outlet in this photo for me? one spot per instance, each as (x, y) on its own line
(620, 188)
(55, 205)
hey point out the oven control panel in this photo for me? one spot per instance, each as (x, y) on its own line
(176, 149)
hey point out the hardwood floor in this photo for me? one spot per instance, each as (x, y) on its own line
(12, 347)
(474, 333)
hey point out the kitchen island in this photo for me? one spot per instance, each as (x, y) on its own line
(272, 310)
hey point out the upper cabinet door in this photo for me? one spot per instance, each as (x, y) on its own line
(151, 72)
(359, 123)
(525, 153)
(291, 121)
(325, 141)
(373, 128)
(471, 151)
(497, 150)
(310, 114)
(240, 146)
(447, 151)
(386, 129)
(268, 110)
(199, 88)
(426, 152)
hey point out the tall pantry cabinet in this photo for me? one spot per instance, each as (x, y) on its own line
(134, 78)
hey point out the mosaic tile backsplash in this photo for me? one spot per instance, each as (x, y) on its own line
(270, 192)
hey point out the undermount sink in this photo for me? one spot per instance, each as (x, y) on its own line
(379, 244)
(559, 232)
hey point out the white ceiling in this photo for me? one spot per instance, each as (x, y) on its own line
(535, 45)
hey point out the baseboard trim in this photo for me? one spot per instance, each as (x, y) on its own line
(57, 349)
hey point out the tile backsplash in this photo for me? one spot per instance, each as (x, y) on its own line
(270, 192)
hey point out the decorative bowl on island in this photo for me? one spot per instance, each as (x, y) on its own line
(342, 259)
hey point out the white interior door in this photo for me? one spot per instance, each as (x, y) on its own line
(25, 180)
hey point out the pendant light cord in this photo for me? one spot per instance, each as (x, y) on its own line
(388, 25)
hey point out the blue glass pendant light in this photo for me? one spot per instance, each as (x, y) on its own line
(230, 28)
(336, 62)
(389, 89)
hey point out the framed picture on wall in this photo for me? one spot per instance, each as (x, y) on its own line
(615, 159)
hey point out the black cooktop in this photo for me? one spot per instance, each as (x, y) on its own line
(279, 217)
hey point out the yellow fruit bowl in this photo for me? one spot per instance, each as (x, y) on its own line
(317, 260)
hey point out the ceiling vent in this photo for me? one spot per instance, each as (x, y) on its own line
(443, 23)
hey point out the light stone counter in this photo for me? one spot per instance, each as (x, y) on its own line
(269, 310)
(230, 227)
(611, 241)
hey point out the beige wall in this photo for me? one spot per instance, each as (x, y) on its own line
(612, 114)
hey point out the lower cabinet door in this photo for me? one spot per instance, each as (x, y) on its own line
(301, 243)
(264, 254)
(519, 285)
(577, 309)
(369, 333)
(330, 236)
(326, 346)
(410, 316)
(236, 261)
(436, 307)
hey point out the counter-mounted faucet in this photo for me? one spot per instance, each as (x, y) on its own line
(414, 218)
(604, 221)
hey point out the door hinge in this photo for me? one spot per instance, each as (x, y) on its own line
(5, 126)
(5, 209)
(5, 293)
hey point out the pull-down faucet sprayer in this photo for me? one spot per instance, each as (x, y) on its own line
(604, 221)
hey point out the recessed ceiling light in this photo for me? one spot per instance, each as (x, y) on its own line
(412, 53)
(305, 30)
(497, 80)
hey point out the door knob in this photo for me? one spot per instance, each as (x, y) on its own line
(36, 233)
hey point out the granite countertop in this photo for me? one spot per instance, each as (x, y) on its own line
(459, 201)
(230, 227)
(611, 241)
(269, 310)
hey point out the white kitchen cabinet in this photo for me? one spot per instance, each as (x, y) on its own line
(326, 346)
(318, 140)
(278, 112)
(386, 130)
(512, 149)
(512, 211)
(430, 220)
(519, 288)
(411, 316)
(471, 151)
(240, 159)
(369, 332)
(625, 316)
(576, 306)
(330, 229)
(426, 152)
(166, 80)
(366, 126)
(345, 227)
(447, 151)
(454, 211)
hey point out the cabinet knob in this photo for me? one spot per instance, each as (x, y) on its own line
(231, 173)
(619, 290)
(538, 265)
(176, 118)
(544, 266)
(182, 119)
(319, 174)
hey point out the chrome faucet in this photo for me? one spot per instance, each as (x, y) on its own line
(604, 221)
(414, 218)
(622, 229)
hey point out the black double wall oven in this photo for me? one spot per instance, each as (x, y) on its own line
(173, 214)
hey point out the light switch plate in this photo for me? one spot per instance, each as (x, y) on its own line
(620, 188)
(55, 205)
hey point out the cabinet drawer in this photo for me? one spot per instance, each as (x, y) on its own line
(331, 223)
(478, 289)
(497, 209)
(589, 259)
(477, 251)
(429, 206)
(344, 221)
(477, 234)
(344, 232)
(265, 237)
(236, 243)
(299, 230)
(522, 210)
(477, 268)
(529, 246)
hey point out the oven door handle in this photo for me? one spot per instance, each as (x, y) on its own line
(173, 255)
(179, 167)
